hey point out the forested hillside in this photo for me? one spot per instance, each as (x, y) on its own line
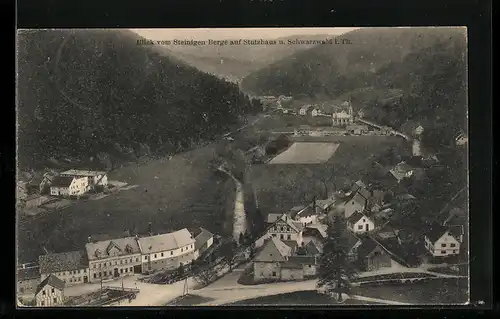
(426, 65)
(97, 94)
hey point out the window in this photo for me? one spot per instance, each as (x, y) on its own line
(43, 293)
(100, 274)
(126, 269)
(171, 253)
(454, 251)
(95, 275)
(52, 290)
(274, 235)
(155, 255)
(274, 274)
(289, 237)
(452, 245)
(55, 300)
(182, 249)
(121, 271)
(360, 227)
(443, 251)
(130, 269)
(443, 245)
(281, 236)
(364, 220)
(71, 280)
(162, 254)
(310, 266)
(137, 259)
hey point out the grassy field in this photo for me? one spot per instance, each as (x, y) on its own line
(280, 187)
(298, 298)
(176, 193)
(436, 291)
(306, 153)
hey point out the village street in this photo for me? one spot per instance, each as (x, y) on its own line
(226, 289)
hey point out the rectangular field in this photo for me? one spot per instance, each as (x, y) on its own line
(306, 153)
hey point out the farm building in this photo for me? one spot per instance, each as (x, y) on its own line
(50, 292)
(95, 178)
(169, 251)
(70, 267)
(203, 240)
(371, 256)
(360, 223)
(284, 228)
(440, 242)
(68, 186)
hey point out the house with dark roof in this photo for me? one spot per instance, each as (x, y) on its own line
(27, 280)
(168, 251)
(350, 242)
(69, 186)
(441, 242)
(50, 292)
(284, 228)
(113, 258)
(70, 267)
(360, 223)
(371, 256)
(307, 214)
(358, 201)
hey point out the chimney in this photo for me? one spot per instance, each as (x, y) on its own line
(150, 229)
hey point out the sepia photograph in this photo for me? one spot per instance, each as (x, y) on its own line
(242, 167)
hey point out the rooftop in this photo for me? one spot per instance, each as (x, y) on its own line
(273, 250)
(52, 281)
(355, 217)
(101, 249)
(435, 232)
(52, 263)
(164, 242)
(81, 172)
(62, 181)
(28, 273)
(367, 246)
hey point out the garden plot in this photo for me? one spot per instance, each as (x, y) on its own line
(306, 153)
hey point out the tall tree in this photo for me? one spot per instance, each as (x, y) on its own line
(335, 269)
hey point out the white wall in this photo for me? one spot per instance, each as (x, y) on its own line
(79, 186)
(436, 249)
(109, 264)
(309, 270)
(264, 270)
(291, 274)
(47, 300)
(169, 253)
(70, 277)
(363, 222)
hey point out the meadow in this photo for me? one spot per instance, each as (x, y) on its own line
(306, 153)
(172, 194)
(280, 187)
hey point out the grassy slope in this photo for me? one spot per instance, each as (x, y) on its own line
(185, 194)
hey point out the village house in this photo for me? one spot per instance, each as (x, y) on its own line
(343, 115)
(440, 242)
(306, 214)
(357, 201)
(50, 292)
(276, 261)
(28, 279)
(70, 267)
(68, 186)
(95, 178)
(325, 205)
(305, 110)
(284, 228)
(167, 251)
(360, 223)
(401, 171)
(371, 256)
(350, 243)
(203, 240)
(114, 258)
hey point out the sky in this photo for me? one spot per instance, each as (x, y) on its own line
(234, 33)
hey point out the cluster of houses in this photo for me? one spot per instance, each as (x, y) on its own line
(71, 183)
(291, 246)
(109, 259)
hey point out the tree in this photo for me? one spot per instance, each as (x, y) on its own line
(335, 269)
(206, 274)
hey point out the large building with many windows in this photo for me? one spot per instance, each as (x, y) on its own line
(110, 259)
(167, 251)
